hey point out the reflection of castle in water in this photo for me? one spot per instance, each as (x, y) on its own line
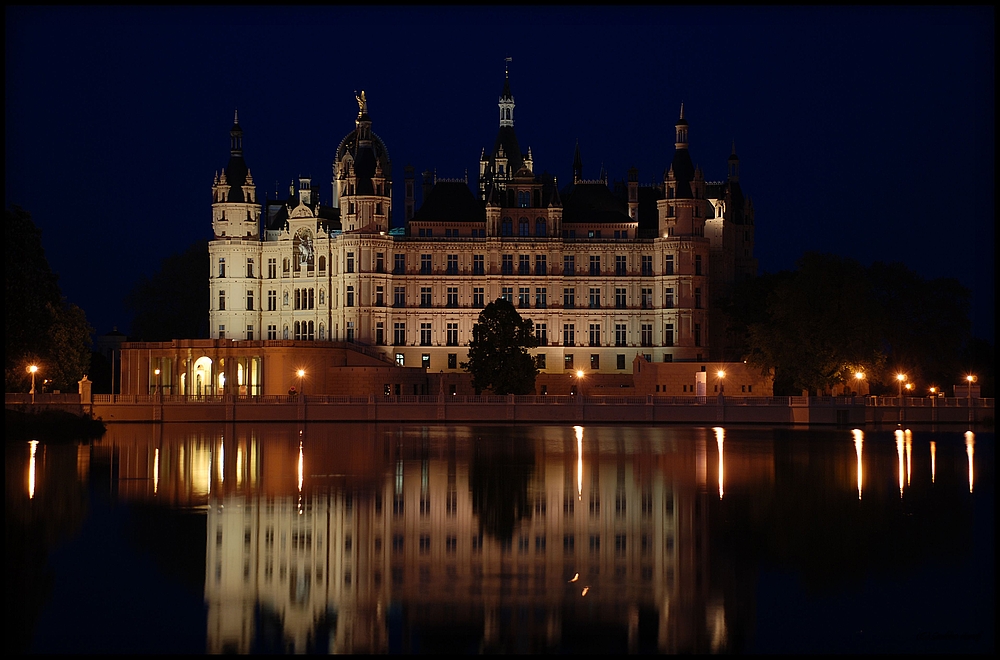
(377, 546)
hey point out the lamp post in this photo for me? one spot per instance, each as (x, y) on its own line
(722, 382)
(859, 377)
(301, 373)
(579, 382)
(900, 378)
(157, 372)
(32, 370)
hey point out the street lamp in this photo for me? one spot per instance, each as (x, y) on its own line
(301, 373)
(32, 370)
(859, 377)
(722, 381)
(900, 378)
(909, 387)
(157, 372)
(579, 382)
(969, 380)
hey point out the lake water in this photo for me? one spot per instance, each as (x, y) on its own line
(409, 538)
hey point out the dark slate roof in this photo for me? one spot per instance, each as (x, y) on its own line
(508, 139)
(451, 201)
(236, 176)
(365, 158)
(649, 221)
(277, 214)
(684, 172)
(736, 202)
(592, 202)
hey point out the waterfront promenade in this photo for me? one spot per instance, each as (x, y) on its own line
(771, 411)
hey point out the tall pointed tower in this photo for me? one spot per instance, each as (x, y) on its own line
(234, 251)
(362, 177)
(498, 167)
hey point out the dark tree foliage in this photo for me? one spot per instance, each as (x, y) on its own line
(45, 328)
(814, 327)
(173, 303)
(498, 357)
(499, 475)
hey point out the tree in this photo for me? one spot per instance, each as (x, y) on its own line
(173, 303)
(40, 326)
(498, 357)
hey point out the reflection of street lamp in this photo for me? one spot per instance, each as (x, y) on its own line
(31, 370)
(900, 378)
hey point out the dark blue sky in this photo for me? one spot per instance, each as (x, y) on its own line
(864, 131)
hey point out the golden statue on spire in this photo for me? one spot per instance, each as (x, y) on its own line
(362, 103)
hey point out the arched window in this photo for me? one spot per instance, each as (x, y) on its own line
(522, 227)
(507, 227)
(322, 264)
(298, 333)
(540, 228)
(507, 112)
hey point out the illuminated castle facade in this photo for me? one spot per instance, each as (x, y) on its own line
(604, 272)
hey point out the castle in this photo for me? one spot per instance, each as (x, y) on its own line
(604, 272)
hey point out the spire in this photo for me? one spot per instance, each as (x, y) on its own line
(506, 99)
(236, 136)
(577, 164)
(681, 131)
(734, 164)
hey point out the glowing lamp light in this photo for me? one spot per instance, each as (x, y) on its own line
(579, 373)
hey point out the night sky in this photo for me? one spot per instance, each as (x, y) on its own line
(865, 132)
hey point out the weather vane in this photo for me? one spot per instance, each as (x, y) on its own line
(506, 66)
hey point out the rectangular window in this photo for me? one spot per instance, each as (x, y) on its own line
(621, 298)
(425, 334)
(425, 363)
(595, 334)
(272, 268)
(647, 298)
(668, 334)
(350, 262)
(541, 264)
(541, 296)
(272, 332)
(595, 298)
(350, 331)
(401, 362)
(425, 264)
(478, 264)
(250, 333)
(647, 266)
(507, 264)
(595, 361)
(250, 267)
(399, 337)
(697, 264)
(620, 334)
(453, 296)
(568, 361)
(399, 296)
(379, 334)
(425, 296)
(697, 334)
(453, 360)
(222, 266)
(222, 301)
(452, 336)
(477, 297)
(620, 361)
(379, 262)
(379, 296)
(697, 298)
(452, 264)
(569, 264)
(250, 300)
(399, 264)
(524, 264)
(272, 301)
(621, 265)
(541, 334)
(569, 334)
(540, 361)
(668, 298)
(350, 296)
(647, 334)
(595, 264)
(507, 293)
(569, 298)
(222, 332)
(524, 296)
(668, 266)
